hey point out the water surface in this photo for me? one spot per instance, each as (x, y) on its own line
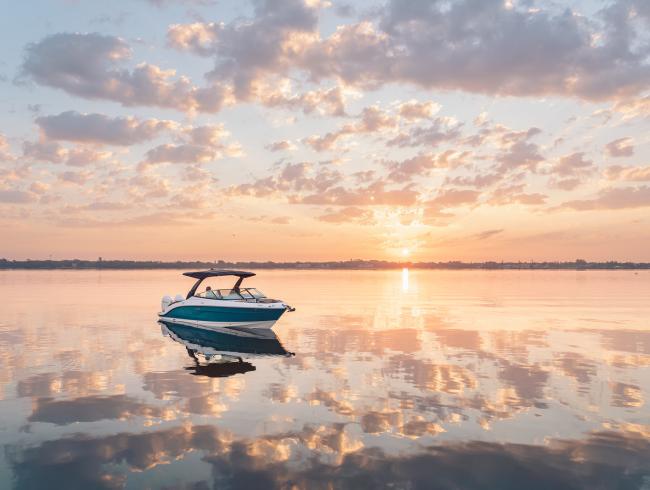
(420, 379)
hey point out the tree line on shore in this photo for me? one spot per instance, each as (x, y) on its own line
(579, 264)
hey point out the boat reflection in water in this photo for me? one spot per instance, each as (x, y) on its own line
(222, 353)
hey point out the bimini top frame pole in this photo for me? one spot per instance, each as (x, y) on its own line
(202, 275)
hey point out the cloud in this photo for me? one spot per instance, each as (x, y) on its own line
(5, 151)
(487, 234)
(253, 57)
(613, 198)
(39, 188)
(53, 152)
(180, 154)
(488, 47)
(144, 186)
(452, 198)
(476, 180)
(622, 147)
(199, 144)
(348, 215)
(101, 129)
(422, 164)
(570, 171)
(88, 65)
(572, 164)
(79, 177)
(282, 145)
(514, 194)
(166, 219)
(519, 152)
(14, 196)
(374, 194)
(79, 157)
(302, 183)
(414, 110)
(634, 107)
(441, 130)
(371, 120)
(630, 174)
(197, 37)
(247, 50)
(263, 218)
(435, 209)
(167, 3)
(291, 177)
(208, 135)
(44, 151)
(329, 102)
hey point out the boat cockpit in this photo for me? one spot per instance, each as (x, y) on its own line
(235, 293)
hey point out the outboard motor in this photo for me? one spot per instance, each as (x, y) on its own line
(166, 301)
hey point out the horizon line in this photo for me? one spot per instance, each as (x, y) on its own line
(368, 264)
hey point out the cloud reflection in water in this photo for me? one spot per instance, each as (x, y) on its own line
(450, 384)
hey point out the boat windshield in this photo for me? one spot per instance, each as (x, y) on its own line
(232, 294)
(255, 293)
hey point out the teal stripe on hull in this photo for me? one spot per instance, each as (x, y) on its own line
(224, 314)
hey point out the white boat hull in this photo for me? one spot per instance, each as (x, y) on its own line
(216, 326)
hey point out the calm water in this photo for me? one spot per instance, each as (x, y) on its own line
(422, 380)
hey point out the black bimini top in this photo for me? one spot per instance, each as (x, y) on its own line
(217, 272)
(201, 275)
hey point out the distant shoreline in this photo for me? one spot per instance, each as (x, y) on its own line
(75, 264)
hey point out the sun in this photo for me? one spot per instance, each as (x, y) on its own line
(405, 252)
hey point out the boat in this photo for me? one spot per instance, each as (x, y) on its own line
(222, 353)
(215, 309)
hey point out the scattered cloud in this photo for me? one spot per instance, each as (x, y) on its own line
(519, 152)
(570, 171)
(423, 164)
(282, 145)
(5, 151)
(78, 177)
(14, 196)
(514, 194)
(414, 110)
(441, 130)
(53, 152)
(630, 174)
(101, 129)
(180, 154)
(198, 144)
(492, 48)
(634, 107)
(484, 235)
(89, 66)
(347, 215)
(622, 147)
(371, 120)
(613, 198)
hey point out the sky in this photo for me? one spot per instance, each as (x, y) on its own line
(426, 130)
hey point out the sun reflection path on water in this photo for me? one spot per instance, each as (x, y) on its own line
(405, 279)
